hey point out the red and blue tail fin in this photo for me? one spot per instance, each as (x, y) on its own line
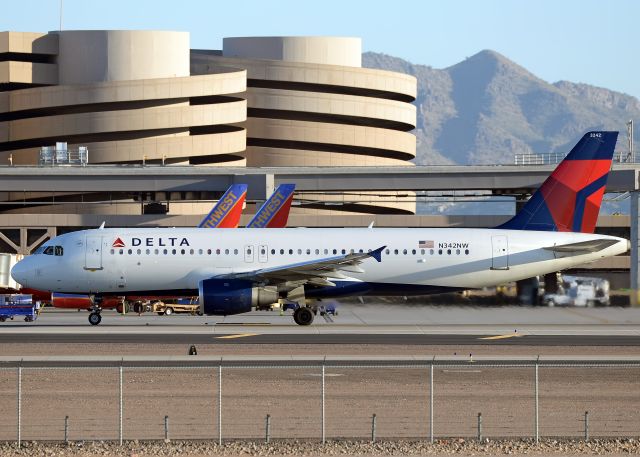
(569, 200)
(274, 213)
(226, 213)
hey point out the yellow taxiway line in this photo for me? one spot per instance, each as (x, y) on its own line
(230, 337)
(502, 337)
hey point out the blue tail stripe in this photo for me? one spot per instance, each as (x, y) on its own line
(581, 200)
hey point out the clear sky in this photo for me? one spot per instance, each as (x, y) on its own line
(590, 41)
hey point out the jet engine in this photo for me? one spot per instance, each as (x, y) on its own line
(223, 297)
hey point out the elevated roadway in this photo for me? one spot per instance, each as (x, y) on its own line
(116, 178)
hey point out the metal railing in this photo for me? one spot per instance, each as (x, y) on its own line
(198, 397)
(552, 158)
(60, 155)
(539, 159)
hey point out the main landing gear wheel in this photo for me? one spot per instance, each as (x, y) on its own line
(95, 318)
(303, 316)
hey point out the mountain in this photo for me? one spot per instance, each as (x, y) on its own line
(486, 109)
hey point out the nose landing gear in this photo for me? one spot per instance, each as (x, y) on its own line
(95, 317)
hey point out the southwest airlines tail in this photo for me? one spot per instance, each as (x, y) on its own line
(569, 200)
(274, 213)
(227, 212)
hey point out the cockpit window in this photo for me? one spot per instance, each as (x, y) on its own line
(39, 250)
(52, 250)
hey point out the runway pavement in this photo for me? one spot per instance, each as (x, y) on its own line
(355, 324)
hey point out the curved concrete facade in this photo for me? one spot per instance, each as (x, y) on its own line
(311, 104)
(129, 97)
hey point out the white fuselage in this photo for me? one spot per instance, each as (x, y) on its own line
(177, 259)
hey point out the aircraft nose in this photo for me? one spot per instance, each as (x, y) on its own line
(19, 272)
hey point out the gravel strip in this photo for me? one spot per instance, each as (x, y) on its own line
(458, 447)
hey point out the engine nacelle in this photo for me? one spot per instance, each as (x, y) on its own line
(223, 297)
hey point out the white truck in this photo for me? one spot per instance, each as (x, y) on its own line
(579, 291)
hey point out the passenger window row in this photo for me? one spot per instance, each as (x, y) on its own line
(175, 251)
(423, 251)
(273, 251)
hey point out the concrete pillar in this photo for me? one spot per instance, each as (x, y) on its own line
(635, 244)
(551, 283)
(260, 186)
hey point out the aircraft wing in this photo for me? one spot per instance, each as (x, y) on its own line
(314, 272)
(583, 246)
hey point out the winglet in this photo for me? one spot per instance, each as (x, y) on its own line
(101, 226)
(377, 253)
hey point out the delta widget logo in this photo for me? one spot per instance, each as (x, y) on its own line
(118, 243)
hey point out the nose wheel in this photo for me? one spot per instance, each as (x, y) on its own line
(95, 318)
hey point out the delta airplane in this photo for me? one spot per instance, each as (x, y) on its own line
(274, 213)
(233, 271)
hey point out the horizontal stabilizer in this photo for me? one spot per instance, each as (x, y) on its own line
(583, 246)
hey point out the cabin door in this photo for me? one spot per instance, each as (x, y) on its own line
(93, 253)
(500, 253)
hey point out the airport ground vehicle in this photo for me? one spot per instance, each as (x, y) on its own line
(12, 305)
(580, 291)
(168, 307)
(328, 309)
(181, 305)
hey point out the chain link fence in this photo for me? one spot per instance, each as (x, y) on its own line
(318, 399)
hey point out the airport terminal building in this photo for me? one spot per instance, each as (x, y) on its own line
(134, 97)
